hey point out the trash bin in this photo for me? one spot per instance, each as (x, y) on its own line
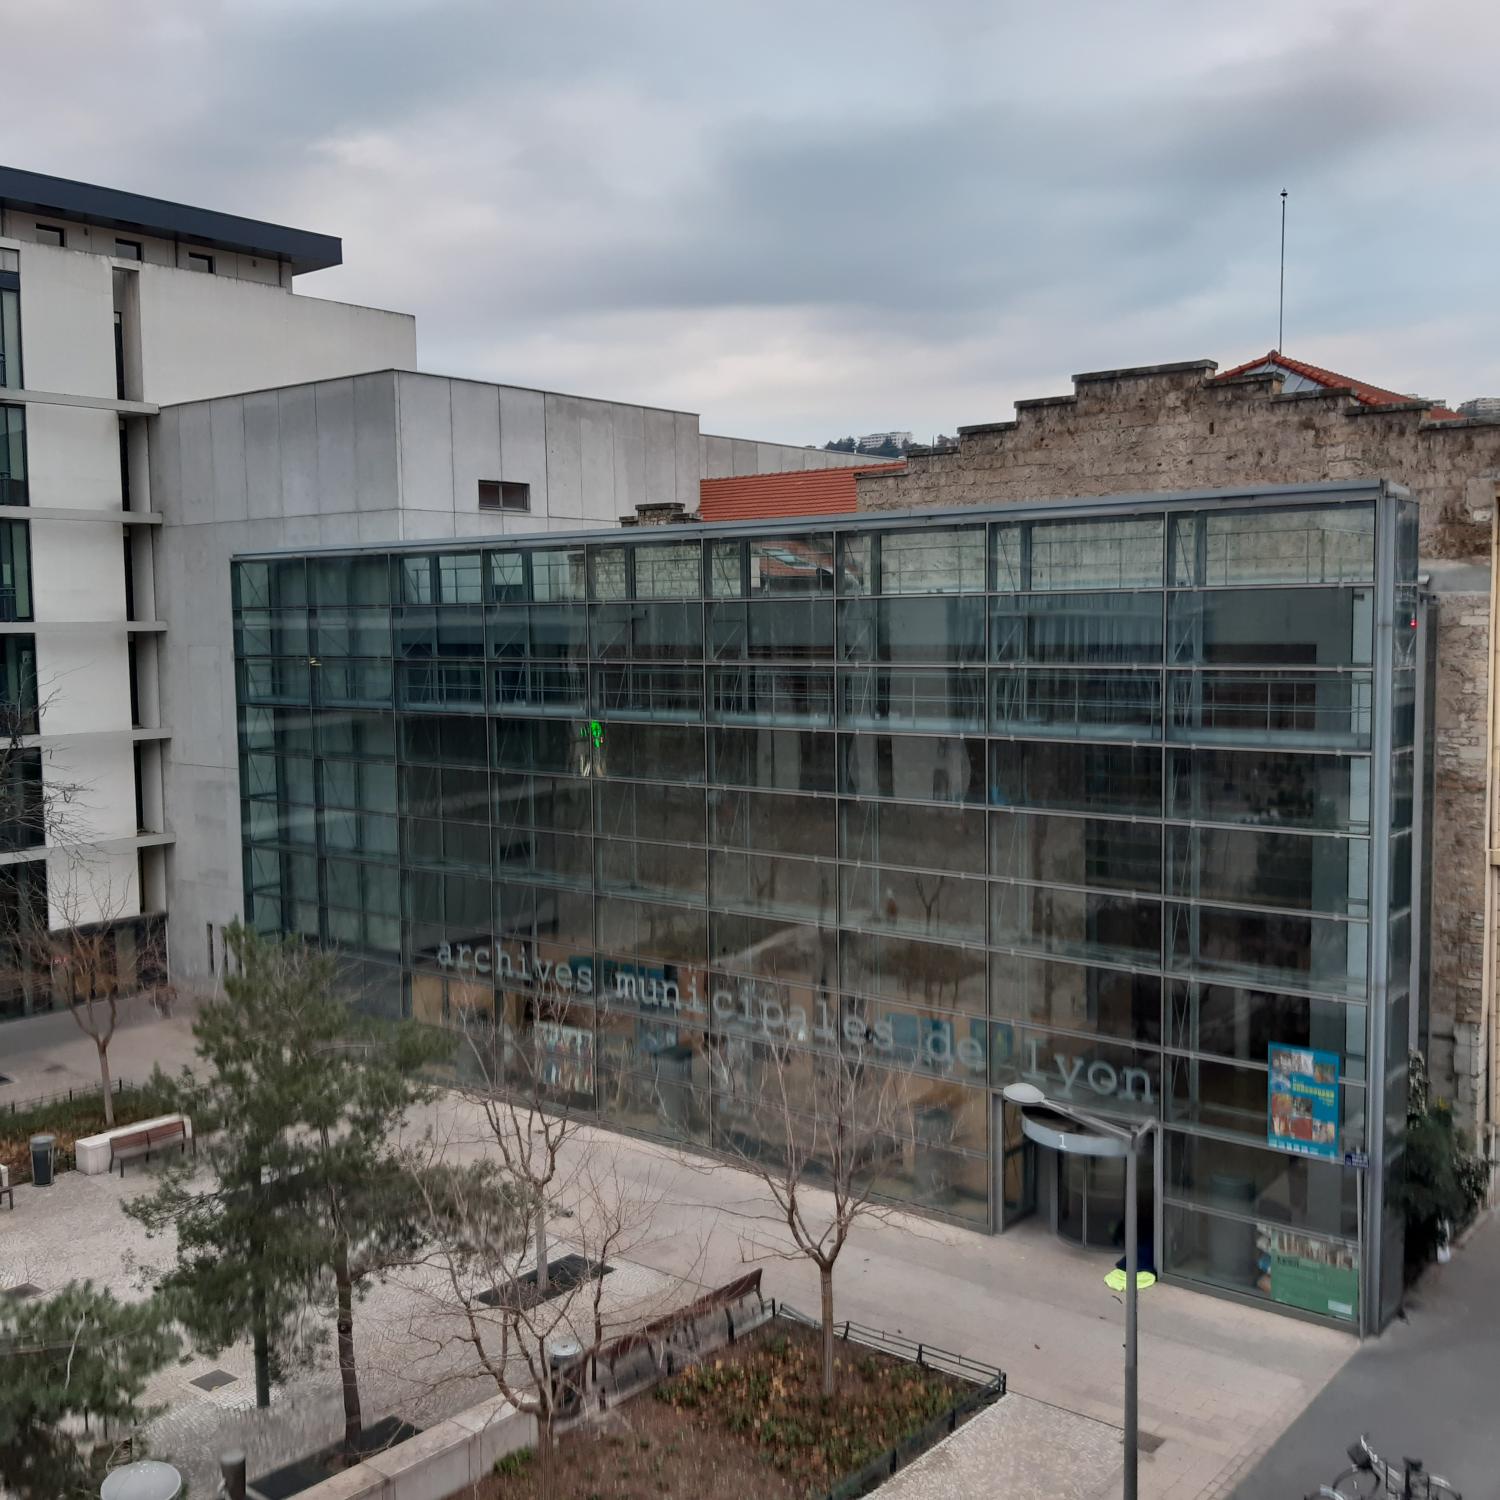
(43, 1149)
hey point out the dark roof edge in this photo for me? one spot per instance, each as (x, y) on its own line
(1139, 372)
(35, 192)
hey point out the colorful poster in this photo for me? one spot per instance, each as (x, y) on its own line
(1304, 1102)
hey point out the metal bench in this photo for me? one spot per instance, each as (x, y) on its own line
(123, 1148)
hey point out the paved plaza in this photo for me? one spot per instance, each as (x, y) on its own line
(1219, 1381)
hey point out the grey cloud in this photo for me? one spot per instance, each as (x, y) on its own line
(986, 193)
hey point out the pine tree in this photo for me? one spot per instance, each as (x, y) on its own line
(81, 1356)
(297, 1110)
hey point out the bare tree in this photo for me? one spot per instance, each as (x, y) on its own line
(92, 963)
(41, 807)
(820, 1129)
(489, 1291)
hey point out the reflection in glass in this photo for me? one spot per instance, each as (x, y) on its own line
(1244, 1023)
(1096, 705)
(1273, 627)
(1090, 629)
(1300, 872)
(1102, 853)
(1271, 787)
(1076, 997)
(1275, 948)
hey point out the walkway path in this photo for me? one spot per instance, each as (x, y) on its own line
(1426, 1388)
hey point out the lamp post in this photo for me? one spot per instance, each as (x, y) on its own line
(1100, 1137)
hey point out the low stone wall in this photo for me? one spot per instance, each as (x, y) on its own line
(443, 1461)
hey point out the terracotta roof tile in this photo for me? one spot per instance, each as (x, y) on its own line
(798, 492)
(1364, 392)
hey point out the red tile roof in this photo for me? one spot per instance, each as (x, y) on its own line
(798, 492)
(1365, 393)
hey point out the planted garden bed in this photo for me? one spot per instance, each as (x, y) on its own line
(72, 1116)
(751, 1421)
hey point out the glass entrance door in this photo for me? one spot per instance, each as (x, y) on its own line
(1089, 1201)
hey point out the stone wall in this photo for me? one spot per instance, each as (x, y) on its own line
(1176, 427)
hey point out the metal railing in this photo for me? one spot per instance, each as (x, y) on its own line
(986, 1386)
(117, 1087)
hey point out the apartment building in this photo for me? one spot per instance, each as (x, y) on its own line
(167, 396)
(110, 304)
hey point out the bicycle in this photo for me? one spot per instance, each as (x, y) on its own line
(1370, 1476)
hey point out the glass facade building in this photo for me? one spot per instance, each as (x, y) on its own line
(1115, 797)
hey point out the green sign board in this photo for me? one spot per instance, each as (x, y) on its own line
(1315, 1276)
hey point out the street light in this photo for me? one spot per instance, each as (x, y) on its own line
(1099, 1137)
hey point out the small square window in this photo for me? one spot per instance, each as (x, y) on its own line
(198, 261)
(50, 234)
(504, 494)
(127, 249)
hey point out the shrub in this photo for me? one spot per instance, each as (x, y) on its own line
(1443, 1180)
(514, 1465)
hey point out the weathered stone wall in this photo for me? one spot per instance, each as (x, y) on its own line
(1174, 427)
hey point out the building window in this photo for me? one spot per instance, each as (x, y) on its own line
(10, 331)
(18, 699)
(15, 571)
(127, 250)
(50, 234)
(198, 261)
(504, 494)
(13, 489)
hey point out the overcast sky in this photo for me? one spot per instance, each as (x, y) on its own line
(806, 219)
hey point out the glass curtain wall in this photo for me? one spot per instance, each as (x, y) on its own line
(1089, 799)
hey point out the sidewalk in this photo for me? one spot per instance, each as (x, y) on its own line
(49, 1055)
(1425, 1388)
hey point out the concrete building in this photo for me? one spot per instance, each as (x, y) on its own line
(392, 456)
(1480, 406)
(1282, 421)
(168, 395)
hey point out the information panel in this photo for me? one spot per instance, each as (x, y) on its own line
(1304, 1102)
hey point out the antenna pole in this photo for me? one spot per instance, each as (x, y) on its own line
(1281, 298)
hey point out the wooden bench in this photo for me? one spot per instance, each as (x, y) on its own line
(123, 1148)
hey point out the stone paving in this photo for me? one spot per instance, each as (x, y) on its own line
(1219, 1381)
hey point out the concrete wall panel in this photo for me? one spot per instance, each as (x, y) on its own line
(78, 572)
(661, 456)
(227, 431)
(476, 444)
(564, 467)
(195, 500)
(262, 422)
(207, 336)
(73, 457)
(333, 402)
(377, 476)
(426, 443)
(630, 468)
(685, 441)
(297, 407)
(523, 442)
(83, 681)
(596, 426)
(67, 322)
